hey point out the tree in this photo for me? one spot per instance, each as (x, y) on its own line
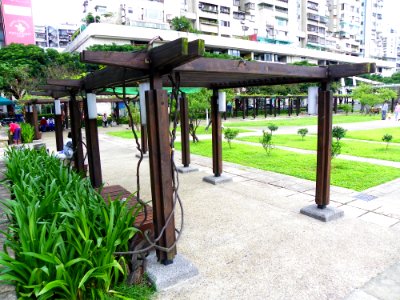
(198, 103)
(387, 138)
(338, 133)
(266, 141)
(369, 96)
(302, 132)
(182, 24)
(15, 80)
(272, 127)
(230, 134)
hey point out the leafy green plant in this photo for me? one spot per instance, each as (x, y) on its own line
(182, 24)
(27, 133)
(338, 133)
(302, 132)
(345, 107)
(64, 235)
(387, 138)
(266, 141)
(230, 134)
(272, 127)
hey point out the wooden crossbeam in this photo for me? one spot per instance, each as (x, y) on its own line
(346, 70)
(111, 76)
(135, 60)
(213, 65)
(56, 88)
(65, 82)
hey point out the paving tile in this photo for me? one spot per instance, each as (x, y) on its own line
(384, 287)
(379, 219)
(352, 212)
(367, 205)
(360, 295)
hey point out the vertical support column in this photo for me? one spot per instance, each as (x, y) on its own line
(58, 125)
(160, 168)
(279, 106)
(35, 123)
(270, 106)
(322, 191)
(243, 101)
(92, 144)
(184, 114)
(275, 104)
(66, 116)
(290, 107)
(255, 108)
(391, 105)
(298, 102)
(265, 107)
(76, 133)
(335, 105)
(216, 135)
(237, 106)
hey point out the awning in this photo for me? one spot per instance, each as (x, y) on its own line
(5, 101)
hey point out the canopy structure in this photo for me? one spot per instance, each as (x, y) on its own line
(5, 101)
(180, 63)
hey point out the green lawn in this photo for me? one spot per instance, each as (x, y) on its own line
(355, 148)
(302, 121)
(375, 134)
(344, 173)
(126, 134)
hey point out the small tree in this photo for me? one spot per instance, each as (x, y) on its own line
(198, 103)
(182, 24)
(302, 132)
(272, 127)
(345, 107)
(266, 141)
(338, 133)
(230, 134)
(387, 138)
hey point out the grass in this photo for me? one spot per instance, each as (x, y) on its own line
(127, 134)
(303, 121)
(375, 134)
(355, 148)
(137, 292)
(345, 173)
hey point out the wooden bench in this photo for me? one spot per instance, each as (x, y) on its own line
(115, 191)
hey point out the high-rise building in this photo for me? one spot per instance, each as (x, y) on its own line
(54, 36)
(371, 28)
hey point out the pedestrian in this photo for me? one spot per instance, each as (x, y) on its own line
(104, 120)
(51, 124)
(384, 110)
(43, 124)
(397, 112)
(229, 109)
(15, 131)
(68, 150)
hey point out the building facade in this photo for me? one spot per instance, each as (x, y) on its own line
(54, 36)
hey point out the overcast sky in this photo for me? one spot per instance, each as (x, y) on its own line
(62, 11)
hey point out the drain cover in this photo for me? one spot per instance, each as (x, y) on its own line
(365, 197)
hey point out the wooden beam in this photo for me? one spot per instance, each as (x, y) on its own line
(324, 146)
(71, 83)
(213, 65)
(48, 87)
(111, 76)
(346, 70)
(135, 60)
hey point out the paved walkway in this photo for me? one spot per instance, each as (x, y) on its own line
(249, 241)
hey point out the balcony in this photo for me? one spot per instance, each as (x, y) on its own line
(238, 15)
(211, 22)
(249, 6)
(313, 17)
(206, 7)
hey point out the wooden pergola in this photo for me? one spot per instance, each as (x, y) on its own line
(183, 61)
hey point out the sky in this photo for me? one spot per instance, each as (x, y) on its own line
(61, 11)
(53, 12)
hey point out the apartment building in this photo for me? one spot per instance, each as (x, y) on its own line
(371, 30)
(54, 36)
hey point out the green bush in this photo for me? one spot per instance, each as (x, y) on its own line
(27, 133)
(230, 134)
(345, 107)
(338, 133)
(266, 141)
(272, 127)
(62, 232)
(302, 132)
(387, 138)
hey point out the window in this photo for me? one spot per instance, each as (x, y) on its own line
(249, 5)
(208, 7)
(312, 5)
(236, 2)
(224, 10)
(281, 22)
(225, 23)
(130, 10)
(238, 15)
(234, 52)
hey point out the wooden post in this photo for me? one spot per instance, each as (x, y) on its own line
(93, 150)
(143, 138)
(160, 167)
(265, 107)
(255, 108)
(66, 116)
(35, 124)
(216, 135)
(335, 105)
(392, 105)
(184, 114)
(279, 106)
(59, 132)
(298, 104)
(270, 105)
(76, 134)
(322, 191)
(237, 106)
(243, 101)
(290, 107)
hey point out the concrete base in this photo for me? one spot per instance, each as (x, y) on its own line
(144, 155)
(164, 277)
(327, 214)
(188, 169)
(217, 180)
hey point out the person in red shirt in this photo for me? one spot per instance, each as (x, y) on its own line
(15, 131)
